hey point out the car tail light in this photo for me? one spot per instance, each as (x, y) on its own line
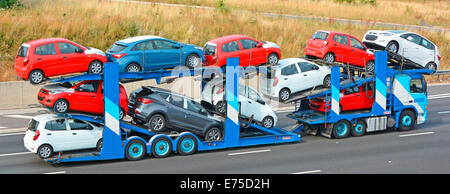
(26, 61)
(275, 82)
(118, 56)
(220, 91)
(325, 43)
(145, 100)
(439, 58)
(36, 135)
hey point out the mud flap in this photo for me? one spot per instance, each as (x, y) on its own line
(326, 131)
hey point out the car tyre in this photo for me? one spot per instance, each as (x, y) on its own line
(193, 61)
(99, 145)
(327, 81)
(213, 134)
(61, 106)
(157, 123)
(135, 150)
(187, 145)
(96, 67)
(272, 59)
(329, 58)
(45, 151)
(133, 67)
(284, 94)
(370, 66)
(221, 107)
(36, 76)
(431, 66)
(267, 122)
(407, 120)
(161, 147)
(341, 129)
(121, 114)
(392, 47)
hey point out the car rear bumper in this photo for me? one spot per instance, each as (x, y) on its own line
(21, 71)
(315, 52)
(373, 45)
(30, 146)
(136, 113)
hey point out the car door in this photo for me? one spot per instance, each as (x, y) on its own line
(176, 111)
(253, 55)
(232, 49)
(73, 57)
(49, 60)
(341, 48)
(427, 51)
(358, 52)
(82, 133)
(87, 97)
(291, 77)
(196, 117)
(351, 99)
(255, 104)
(169, 54)
(309, 76)
(410, 47)
(147, 55)
(58, 134)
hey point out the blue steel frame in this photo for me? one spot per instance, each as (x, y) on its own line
(113, 143)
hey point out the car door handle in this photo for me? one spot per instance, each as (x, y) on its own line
(74, 133)
(39, 59)
(285, 78)
(93, 95)
(64, 57)
(49, 134)
(305, 74)
(411, 101)
(249, 102)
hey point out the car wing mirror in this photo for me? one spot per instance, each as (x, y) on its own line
(79, 50)
(259, 45)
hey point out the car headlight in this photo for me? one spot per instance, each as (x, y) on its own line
(55, 92)
(199, 48)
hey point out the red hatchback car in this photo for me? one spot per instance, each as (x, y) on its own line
(353, 98)
(85, 96)
(43, 58)
(251, 52)
(339, 47)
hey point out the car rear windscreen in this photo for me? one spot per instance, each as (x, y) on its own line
(320, 35)
(32, 126)
(22, 51)
(209, 50)
(116, 48)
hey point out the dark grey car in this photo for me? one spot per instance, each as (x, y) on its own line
(159, 109)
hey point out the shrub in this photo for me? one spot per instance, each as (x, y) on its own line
(5, 4)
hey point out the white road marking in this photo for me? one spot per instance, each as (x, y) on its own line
(444, 112)
(249, 152)
(14, 154)
(308, 172)
(18, 116)
(415, 134)
(59, 172)
(437, 96)
(9, 134)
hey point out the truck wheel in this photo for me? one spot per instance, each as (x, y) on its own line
(359, 129)
(161, 147)
(341, 129)
(135, 150)
(187, 145)
(407, 120)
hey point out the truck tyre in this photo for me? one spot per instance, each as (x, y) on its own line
(407, 120)
(161, 147)
(187, 145)
(341, 129)
(359, 129)
(135, 150)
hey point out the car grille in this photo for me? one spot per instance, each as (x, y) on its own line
(371, 37)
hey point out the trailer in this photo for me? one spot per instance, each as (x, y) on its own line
(400, 103)
(124, 140)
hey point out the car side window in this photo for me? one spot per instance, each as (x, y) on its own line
(342, 39)
(427, 44)
(164, 44)
(194, 106)
(46, 49)
(412, 37)
(305, 66)
(146, 45)
(230, 47)
(67, 48)
(76, 124)
(356, 44)
(56, 125)
(253, 95)
(416, 86)
(289, 70)
(248, 44)
(88, 87)
(177, 101)
(242, 90)
(352, 90)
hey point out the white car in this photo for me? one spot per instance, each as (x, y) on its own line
(410, 45)
(251, 102)
(293, 75)
(49, 133)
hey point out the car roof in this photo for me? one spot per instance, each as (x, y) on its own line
(287, 61)
(46, 117)
(138, 38)
(46, 40)
(228, 38)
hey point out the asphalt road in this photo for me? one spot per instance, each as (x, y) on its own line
(425, 149)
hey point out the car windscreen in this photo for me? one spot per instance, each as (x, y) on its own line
(32, 126)
(320, 35)
(209, 49)
(23, 50)
(115, 48)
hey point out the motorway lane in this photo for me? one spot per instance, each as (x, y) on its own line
(383, 152)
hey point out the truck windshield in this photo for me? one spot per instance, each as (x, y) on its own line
(416, 86)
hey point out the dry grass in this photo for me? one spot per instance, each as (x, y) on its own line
(100, 24)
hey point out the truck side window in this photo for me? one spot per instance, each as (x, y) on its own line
(416, 86)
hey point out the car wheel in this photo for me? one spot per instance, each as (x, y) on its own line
(135, 150)
(431, 66)
(272, 59)
(61, 106)
(36, 76)
(99, 145)
(96, 67)
(121, 114)
(213, 134)
(133, 67)
(407, 120)
(193, 61)
(284, 94)
(327, 81)
(45, 151)
(157, 123)
(341, 129)
(392, 47)
(359, 129)
(161, 147)
(187, 145)
(370, 66)
(329, 58)
(267, 122)
(221, 107)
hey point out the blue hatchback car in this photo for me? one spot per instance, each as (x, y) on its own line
(147, 53)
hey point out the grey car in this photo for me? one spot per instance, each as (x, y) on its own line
(160, 109)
